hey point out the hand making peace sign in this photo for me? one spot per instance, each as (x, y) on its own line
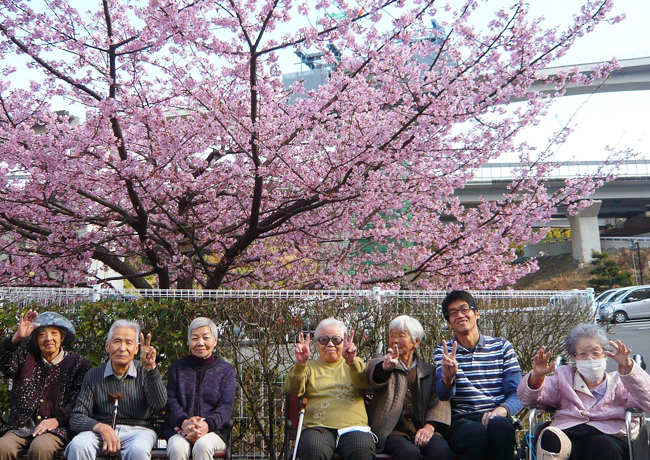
(391, 358)
(147, 353)
(349, 348)
(302, 351)
(449, 364)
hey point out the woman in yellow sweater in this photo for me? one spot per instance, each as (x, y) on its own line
(334, 384)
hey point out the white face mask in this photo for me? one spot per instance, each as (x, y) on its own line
(592, 370)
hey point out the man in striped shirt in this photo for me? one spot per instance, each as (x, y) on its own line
(480, 374)
(139, 389)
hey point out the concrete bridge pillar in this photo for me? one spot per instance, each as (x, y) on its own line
(585, 236)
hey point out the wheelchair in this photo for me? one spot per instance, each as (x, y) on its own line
(637, 440)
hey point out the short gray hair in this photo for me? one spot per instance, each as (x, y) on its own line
(202, 321)
(331, 321)
(408, 324)
(124, 323)
(585, 330)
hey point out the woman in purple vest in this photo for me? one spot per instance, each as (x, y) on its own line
(201, 394)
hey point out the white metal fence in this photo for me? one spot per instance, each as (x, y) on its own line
(70, 296)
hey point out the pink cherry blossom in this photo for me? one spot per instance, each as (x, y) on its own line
(191, 163)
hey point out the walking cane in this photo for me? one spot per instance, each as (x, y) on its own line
(115, 399)
(301, 415)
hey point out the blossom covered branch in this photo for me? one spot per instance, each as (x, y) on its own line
(192, 164)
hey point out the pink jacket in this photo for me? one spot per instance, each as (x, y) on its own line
(567, 391)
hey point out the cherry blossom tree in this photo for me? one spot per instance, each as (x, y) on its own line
(190, 163)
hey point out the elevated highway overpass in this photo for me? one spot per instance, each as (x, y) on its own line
(624, 197)
(627, 196)
(633, 75)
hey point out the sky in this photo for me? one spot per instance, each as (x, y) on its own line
(618, 119)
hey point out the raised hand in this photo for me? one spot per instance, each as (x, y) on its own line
(622, 357)
(349, 348)
(542, 366)
(391, 358)
(26, 326)
(302, 351)
(449, 364)
(147, 353)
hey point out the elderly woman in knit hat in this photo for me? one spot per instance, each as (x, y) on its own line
(47, 379)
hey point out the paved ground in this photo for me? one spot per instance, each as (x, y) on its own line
(636, 335)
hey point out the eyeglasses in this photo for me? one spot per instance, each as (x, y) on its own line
(464, 310)
(594, 354)
(324, 340)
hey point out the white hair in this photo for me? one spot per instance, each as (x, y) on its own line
(202, 321)
(588, 331)
(124, 323)
(408, 324)
(331, 321)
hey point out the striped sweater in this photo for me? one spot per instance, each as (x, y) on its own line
(144, 394)
(487, 377)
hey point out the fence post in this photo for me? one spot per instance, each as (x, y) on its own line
(96, 293)
(590, 300)
(376, 294)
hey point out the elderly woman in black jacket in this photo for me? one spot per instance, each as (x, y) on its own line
(405, 412)
(47, 379)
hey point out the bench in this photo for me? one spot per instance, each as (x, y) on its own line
(160, 450)
(156, 452)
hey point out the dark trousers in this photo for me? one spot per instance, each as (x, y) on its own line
(320, 444)
(401, 448)
(589, 443)
(470, 440)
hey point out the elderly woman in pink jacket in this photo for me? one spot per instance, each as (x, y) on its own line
(589, 423)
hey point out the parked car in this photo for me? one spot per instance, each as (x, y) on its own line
(630, 303)
(608, 295)
(566, 300)
(121, 296)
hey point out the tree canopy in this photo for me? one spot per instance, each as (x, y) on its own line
(191, 163)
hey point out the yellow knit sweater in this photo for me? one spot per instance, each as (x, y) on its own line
(334, 392)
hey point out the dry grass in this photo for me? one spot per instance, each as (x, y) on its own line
(563, 273)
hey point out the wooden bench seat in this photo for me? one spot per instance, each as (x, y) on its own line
(162, 453)
(156, 452)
